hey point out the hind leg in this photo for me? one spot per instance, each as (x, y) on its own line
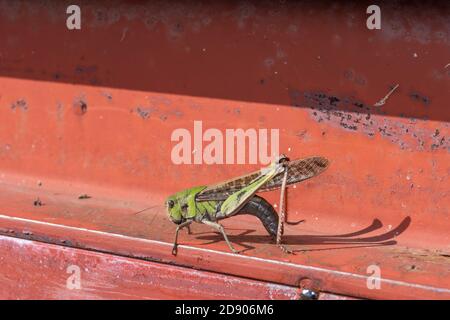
(281, 219)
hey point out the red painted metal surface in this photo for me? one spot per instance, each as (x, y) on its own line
(46, 272)
(92, 112)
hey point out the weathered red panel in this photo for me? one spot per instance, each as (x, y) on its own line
(342, 271)
(33, 270)
(92, 111)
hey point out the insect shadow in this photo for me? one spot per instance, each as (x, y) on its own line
(350, 240)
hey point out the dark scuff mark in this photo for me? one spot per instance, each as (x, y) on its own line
(20, 104)
(85, 69)
(303, 135)
(355, 78)
(107, 95)
(176, 30)
(94, 81)
(438, 143)
(436, 133)
(151, 22)
(84, 196)
(416, 96)
(67, 243)
(353, 115)
(156, 101)
(144, 113)
(178, 113)
(59, 110)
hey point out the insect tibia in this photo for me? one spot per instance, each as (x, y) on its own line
(261, 209)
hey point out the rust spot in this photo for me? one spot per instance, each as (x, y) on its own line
(37, 203)
(412, 267)
(80, 106)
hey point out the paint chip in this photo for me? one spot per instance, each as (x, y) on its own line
(383, 100)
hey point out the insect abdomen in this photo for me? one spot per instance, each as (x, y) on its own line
(261, 209)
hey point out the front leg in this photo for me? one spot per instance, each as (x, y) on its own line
(179, 227)
(219, 227)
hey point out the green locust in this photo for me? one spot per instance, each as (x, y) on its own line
(209, 204)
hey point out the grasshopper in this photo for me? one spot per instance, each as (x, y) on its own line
(209, 204)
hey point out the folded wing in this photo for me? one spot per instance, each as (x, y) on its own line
(298, 170)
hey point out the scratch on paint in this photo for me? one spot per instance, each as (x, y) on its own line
(383, 101)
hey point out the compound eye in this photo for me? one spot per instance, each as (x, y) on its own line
(170, 204)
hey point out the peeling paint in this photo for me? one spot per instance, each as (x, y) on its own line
(20, 104)
(353, 115)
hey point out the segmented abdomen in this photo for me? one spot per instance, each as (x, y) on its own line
(261, 209)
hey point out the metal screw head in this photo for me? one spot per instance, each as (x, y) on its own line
(308, 294)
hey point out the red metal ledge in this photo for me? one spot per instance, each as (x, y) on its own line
(116, 230)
